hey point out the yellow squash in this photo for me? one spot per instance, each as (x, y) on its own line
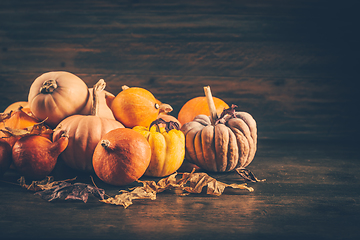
(167, 149)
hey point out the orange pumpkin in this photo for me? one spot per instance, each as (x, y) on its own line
(197, 106)
(121, 157)
(56, 95)
(84, 131)
(135, 106)
(36, 156)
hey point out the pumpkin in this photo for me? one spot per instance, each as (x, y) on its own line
(84, 131)
(121, 157)
(104, 109)
(167, 147)
(220, 144)
(5, 157)
(16, 105)
(135, 106)
(36, 156)
(197, 106)
(18, 120)
(56, 95)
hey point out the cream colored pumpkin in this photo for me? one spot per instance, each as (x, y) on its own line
(57, 95)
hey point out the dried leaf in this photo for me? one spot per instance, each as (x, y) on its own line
(46, 183)
(248, 175)
(197, 181)
(75, 191)
(4, 116)
(36, 129)
(125, 198)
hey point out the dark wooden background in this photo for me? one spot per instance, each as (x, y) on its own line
(292, 64)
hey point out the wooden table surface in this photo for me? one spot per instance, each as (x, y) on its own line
(291, 64)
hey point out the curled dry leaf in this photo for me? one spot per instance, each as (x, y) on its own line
(50, 190)
(75, 191)
(188, 183)
(45, 184)
(247, 175)
(37, 129)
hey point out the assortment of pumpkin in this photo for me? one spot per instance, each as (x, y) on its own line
(120, 137)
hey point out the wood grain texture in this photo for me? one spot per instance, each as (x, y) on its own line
(290, 64)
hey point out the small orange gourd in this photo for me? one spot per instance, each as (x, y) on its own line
(121, 157)
(36, 156)
(135, 106)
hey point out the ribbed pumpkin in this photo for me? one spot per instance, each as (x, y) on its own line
(197, 106)
(57, 95)
(167, 147)
(84, 134)
(135, 106)
(220, 144)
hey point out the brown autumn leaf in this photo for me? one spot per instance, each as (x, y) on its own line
(36, 129)
(188, 183)
(45, 184)
(4, 116)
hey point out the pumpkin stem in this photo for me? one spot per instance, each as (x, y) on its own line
(48, 86)
(211, 105)
(165, 108)
(98, 87)
(124, 87)
(105, 143)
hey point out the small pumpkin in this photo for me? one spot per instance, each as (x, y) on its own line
(121, 156)
(85, 131)
(135, 106)
(197, 106)
(167, 147)
(220, 144)
(36, 156)
(56, 95)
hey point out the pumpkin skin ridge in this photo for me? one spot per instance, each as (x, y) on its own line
(171, 161)
(208, 144)
(233, 151)
(167, 149)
